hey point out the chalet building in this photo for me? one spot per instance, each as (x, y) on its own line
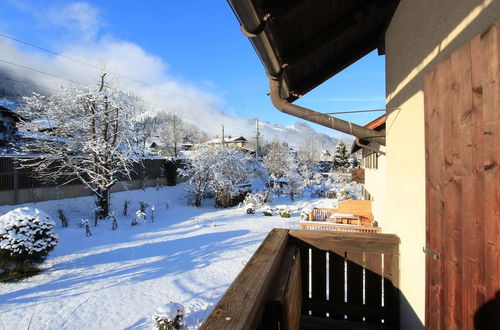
(8, 128)
(229, 141)
(438, 196)
(373, 165)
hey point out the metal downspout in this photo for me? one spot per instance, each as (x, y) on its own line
(359, 144)
(321, 118)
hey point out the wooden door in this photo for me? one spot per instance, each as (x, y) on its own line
(462, 122)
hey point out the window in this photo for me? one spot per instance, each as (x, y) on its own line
(371, 160)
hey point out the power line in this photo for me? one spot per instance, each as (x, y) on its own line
(27, 83)
(98, 69)
(55, 89)
(352, 111)
(47, 50)
(356, 111)
(43, 72)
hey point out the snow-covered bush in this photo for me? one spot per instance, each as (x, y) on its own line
(256, 201)
(344, 195)
(250, 208)
(332, 193)
(84, 223)
(26, 238)
(304, 214)
(170, 317)
(140, 217)
(284, 211)
(268, 212)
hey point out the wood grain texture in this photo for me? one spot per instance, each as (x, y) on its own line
(242, 305)
(462, 121)
(351, 242)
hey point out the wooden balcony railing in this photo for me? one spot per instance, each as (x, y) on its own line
(328, 226)
(314, 280)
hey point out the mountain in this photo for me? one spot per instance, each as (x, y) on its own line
(297, 134)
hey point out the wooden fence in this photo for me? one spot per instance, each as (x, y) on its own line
(13, 177)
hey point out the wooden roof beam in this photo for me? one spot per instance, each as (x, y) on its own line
(336, 30)
(316, 78)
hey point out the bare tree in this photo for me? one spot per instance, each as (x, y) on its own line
(309, 149)
(172, 133)
(92, 139)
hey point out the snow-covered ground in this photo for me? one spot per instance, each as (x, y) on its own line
(117, 279)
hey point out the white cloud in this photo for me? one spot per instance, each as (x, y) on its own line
(199, 103)
(79, 17)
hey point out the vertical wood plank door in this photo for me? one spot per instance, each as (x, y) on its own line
(462, 145)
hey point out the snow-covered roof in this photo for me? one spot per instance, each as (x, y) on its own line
(40, 136)
(227, 139)
(9, 113)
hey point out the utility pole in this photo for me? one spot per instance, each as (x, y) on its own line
(222, 137)
(257, 133)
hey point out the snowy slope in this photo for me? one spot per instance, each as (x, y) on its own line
(117, 279)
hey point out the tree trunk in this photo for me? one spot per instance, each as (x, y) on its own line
(197, 199)
(102, 203)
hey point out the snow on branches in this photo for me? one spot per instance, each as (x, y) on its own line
(224, 171)
(26, 237)
(91, 138)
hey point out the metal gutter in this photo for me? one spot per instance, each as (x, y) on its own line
(254, 27)
(322, 119)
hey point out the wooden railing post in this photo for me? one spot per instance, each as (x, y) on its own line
(242, 305)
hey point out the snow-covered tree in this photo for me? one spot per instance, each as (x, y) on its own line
(341, 158)
(311, 174)
(224, 171)
(92, 139)
(309, 149)
(278, 159)
(294, 181)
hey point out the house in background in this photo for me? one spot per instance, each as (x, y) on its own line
(442, 162)
(8, 127)
(229, 141)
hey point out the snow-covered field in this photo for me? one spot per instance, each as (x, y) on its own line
(117, 279)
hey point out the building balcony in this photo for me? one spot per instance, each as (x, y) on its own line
(304, 279)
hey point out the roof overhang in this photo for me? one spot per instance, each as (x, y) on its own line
(307, 42)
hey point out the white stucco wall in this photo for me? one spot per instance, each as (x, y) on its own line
(421, 34)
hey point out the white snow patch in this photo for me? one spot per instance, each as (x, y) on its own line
(116, 279)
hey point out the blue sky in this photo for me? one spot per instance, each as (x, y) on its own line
(192, 48)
